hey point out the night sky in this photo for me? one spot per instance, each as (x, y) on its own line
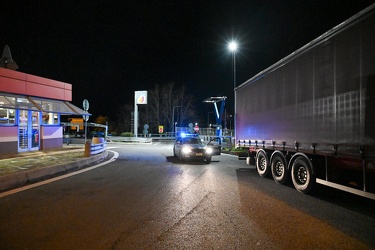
(109, 49)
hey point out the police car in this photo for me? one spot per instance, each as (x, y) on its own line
(191, 147)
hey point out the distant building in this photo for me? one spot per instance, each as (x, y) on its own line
(30, 110)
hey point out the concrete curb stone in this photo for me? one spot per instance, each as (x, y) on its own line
(13, 180)
(39, 174)
(19, 179)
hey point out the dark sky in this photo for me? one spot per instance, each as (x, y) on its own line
(109, 49)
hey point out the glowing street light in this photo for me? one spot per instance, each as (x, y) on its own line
(233, 47)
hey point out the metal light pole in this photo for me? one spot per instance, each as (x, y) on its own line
(233, 48)
(173, 118)
(208, 118)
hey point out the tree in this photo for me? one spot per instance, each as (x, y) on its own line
(154, 106)
(124, 118)
(163, 101)
(101, 120)
(186, 103)
(159, 109)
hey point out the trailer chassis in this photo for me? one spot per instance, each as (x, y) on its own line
(319, 163)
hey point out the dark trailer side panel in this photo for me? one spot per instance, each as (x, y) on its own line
(323, 94)
(311, 116)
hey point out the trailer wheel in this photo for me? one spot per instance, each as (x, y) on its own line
(279, 169)
(302, 175)
(262, 164)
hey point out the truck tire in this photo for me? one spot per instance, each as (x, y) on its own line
(262, 164)
(279, 169)
(302, 175)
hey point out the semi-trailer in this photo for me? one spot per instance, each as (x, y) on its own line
(310, 117)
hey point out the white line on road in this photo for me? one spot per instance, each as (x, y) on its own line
(17, 190)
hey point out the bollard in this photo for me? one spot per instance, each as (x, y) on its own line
(87, 149)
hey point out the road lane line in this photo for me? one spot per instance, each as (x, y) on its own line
(24, 188)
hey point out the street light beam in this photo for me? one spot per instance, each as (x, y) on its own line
(233, 46)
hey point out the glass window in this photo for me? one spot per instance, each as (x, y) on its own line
(16, 102)
(50, 118)
(7, 101)
(24, 103)
(191, 140)
(7, 116)
(52, 106)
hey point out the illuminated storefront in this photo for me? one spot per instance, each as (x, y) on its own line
(30, 110)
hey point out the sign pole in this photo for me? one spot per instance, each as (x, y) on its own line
(85, 117)
(85, 131)
(140, 97)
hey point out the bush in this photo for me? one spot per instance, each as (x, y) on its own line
(113, 133)
(126, 134)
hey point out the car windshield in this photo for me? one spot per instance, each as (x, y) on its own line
(191, 140)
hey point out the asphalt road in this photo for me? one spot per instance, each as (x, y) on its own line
(147, 199)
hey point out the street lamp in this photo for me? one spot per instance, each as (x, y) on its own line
(232, 46)
(173, 117)
(208, 117)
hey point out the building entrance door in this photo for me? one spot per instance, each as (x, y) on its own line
(28, 130)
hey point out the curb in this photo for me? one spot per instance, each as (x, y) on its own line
(19, 179)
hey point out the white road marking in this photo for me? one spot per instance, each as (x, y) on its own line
(17, 190)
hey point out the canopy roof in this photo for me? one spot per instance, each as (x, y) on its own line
(39, 104)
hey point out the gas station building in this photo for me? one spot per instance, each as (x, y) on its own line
(30, 110)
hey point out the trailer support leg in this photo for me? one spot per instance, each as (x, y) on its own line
(364, 174)
(326, 166)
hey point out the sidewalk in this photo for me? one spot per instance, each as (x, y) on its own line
(25, 168)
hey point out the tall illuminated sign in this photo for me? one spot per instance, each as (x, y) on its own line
(140, 97)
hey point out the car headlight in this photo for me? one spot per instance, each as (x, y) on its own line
(209, 150)
(186, 150)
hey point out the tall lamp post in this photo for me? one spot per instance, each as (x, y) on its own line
(208, 118)
(232, 46)
(174, 126)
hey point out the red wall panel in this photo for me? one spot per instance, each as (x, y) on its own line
(12, 85)
(35, 89)
(24, 84)
(45, 81)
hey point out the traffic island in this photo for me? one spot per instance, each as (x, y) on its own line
(29, 176)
